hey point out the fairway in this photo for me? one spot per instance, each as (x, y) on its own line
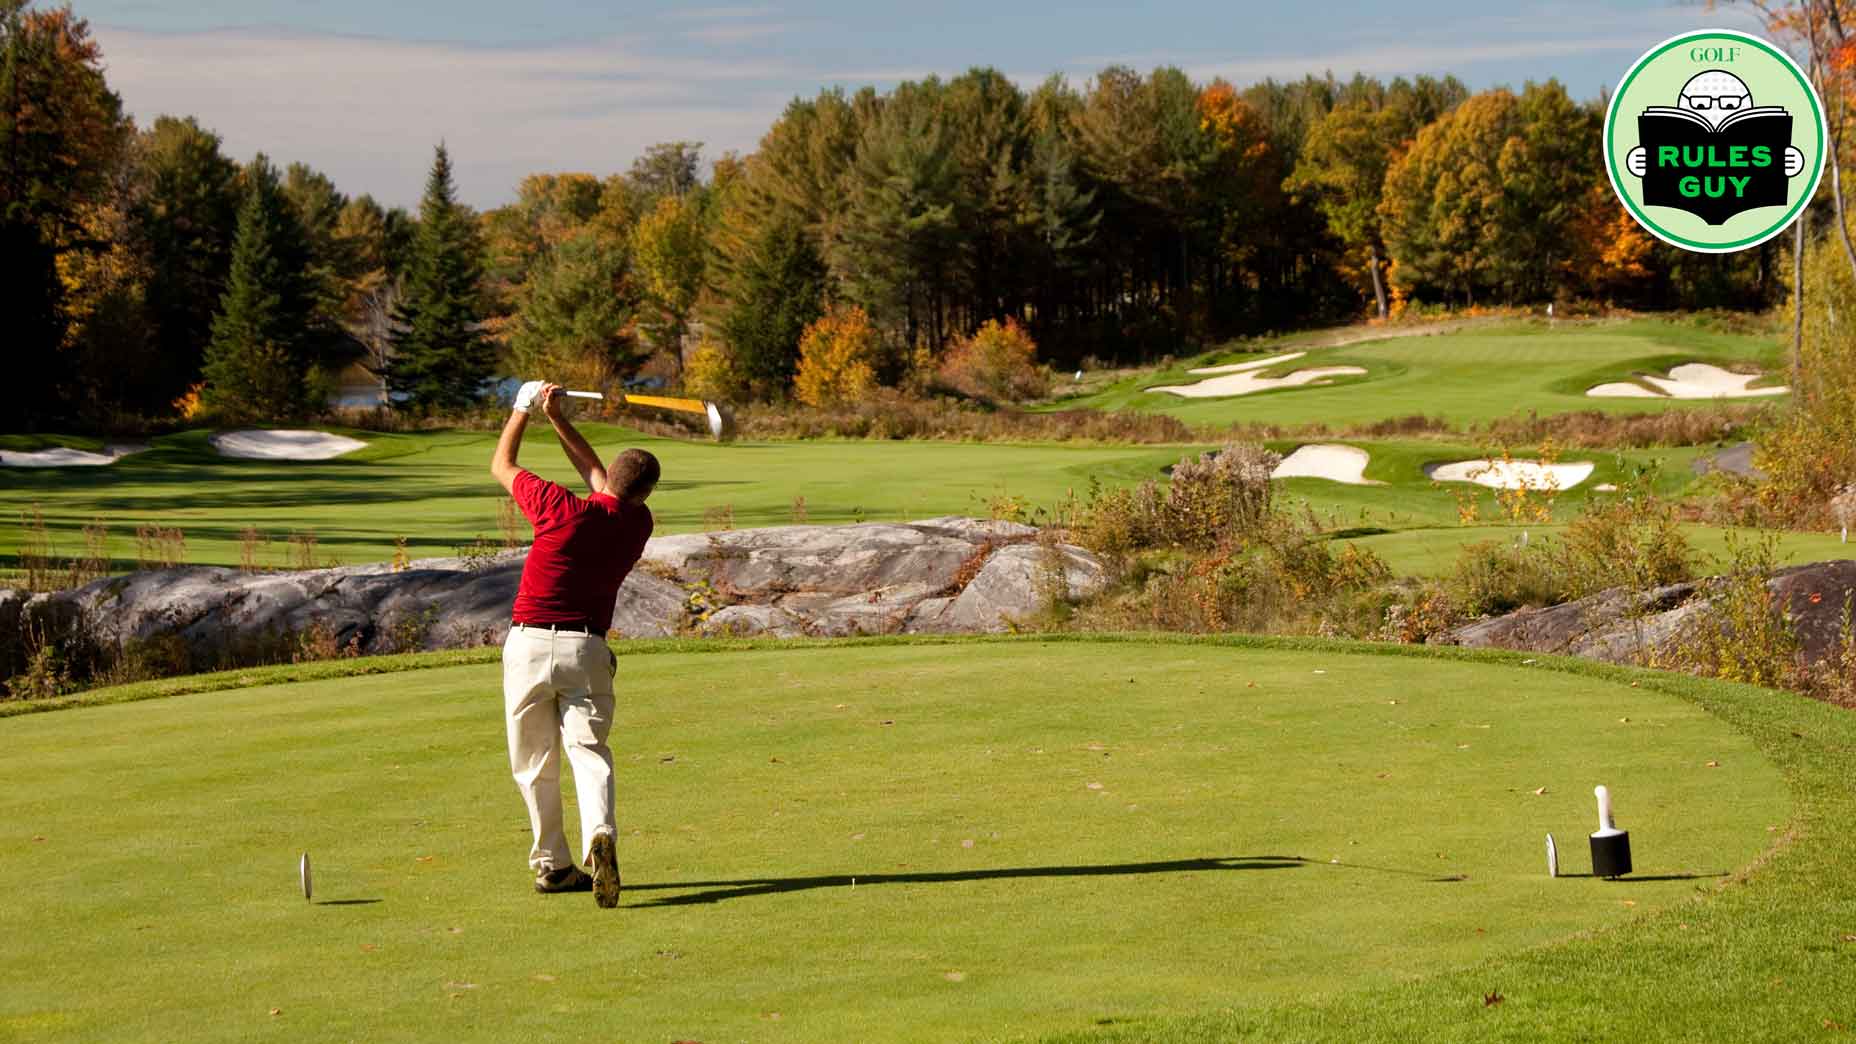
(434, 489)
(1470, 375)
(879, 841)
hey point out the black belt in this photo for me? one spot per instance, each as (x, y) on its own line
(577, 625)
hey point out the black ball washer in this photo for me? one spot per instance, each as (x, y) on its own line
(1610, 846)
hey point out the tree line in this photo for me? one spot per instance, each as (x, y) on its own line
(1136, 216)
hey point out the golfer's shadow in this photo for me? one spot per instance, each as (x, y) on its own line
(716, 891)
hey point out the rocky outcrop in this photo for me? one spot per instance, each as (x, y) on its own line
(1623, 626)
(936, 576)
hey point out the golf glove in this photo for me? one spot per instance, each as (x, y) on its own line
(526, 395)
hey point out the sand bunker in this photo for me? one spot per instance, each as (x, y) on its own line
(1688, 381)
(1245, 381)
(1336, 463)
(1515, 474)
(283, 445)
(65, 457)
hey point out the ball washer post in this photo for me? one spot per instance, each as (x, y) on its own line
(1610, 846)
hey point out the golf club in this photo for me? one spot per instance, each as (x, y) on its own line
(720, 421)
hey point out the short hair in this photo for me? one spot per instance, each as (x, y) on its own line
(632, 474)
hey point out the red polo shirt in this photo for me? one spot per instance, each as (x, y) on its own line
(583, 551)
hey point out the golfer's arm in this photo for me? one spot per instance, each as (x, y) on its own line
(580, 455)
(503, 461)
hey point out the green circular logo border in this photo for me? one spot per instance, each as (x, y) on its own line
(1611, 163)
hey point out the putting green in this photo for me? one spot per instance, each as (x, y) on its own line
(1474, 374)
(883, 841)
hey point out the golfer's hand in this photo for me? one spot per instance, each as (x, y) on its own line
(1637, 160)
(526, 395)
(1794, 161)
(551, 398)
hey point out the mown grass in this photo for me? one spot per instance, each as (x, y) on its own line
(1464, 375)
(433, 488)
(1047, 836)
(1769, 958)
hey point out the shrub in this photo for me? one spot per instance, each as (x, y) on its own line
(1219, 501)
(1213, 552)
(1492, 577)
(46, 672)
(711, 373)
(157, 547)
(1811, 453)
(998, 363)
(837, 356)
(1742, 635)
(1633, 539)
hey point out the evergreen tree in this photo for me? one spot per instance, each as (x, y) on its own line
(898, 251)
(775, 289)
(255, 361)
(185, 218)
(441, 358)
(576, 317)
(332, 266)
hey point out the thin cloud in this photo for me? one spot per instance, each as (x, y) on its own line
(734, 34)
(367, 111)
(1516, 35)
(720, 14)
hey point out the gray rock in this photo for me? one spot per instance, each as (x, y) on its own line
(1627, 627)
(753, 621)
(1012, 587)
(1735, 460)
(937, 575)
(649, 606)
(845, 560)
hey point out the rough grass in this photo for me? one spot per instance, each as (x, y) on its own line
(1047, 836)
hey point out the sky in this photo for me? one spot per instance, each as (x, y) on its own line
(364, 89)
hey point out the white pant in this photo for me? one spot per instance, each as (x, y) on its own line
(557, 691)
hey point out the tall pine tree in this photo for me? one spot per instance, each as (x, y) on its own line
(256, 359)
(186, 216)
(441, 358)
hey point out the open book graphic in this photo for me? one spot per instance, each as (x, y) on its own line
(1715, 173)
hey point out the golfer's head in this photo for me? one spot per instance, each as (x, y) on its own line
(632, 476)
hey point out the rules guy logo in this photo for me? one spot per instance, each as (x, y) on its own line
(1715, 141)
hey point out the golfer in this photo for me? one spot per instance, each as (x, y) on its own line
(557, 669)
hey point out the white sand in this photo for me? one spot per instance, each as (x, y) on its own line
(1247, 382)
(1254, 365)
(283, 445)
(1336, 463)
(1688, 381)
(64, 457)
(1520, 474)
